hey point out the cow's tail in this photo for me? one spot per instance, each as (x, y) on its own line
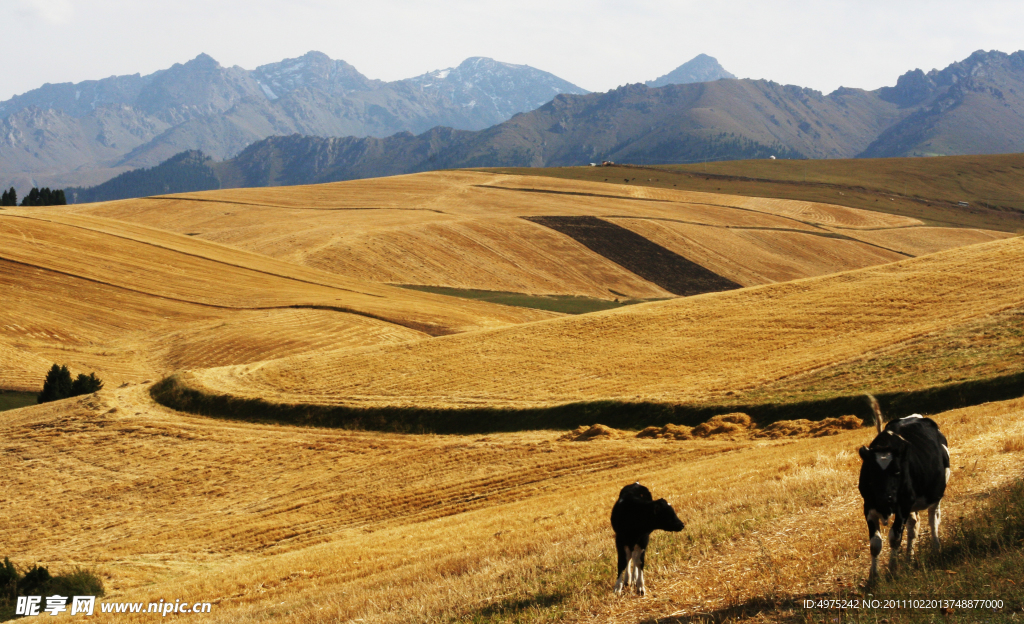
(879, 419)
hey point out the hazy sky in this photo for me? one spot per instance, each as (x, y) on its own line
(596, 44)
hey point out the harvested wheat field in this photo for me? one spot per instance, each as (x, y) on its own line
(287, 296)
(679, 351)
(467, 230)
(133, 303)
(277, 523)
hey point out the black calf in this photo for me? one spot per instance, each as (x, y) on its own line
(634, 516)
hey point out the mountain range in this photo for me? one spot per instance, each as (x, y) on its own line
(971, 107)
(974, 106)
(84, 133)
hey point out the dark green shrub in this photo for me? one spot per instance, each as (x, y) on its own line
(35, 582)
(39, 582)
(58, 384)
(79, 582)
(8, 580)
(86, 385)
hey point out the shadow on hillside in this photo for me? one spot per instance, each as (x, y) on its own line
(174, 392)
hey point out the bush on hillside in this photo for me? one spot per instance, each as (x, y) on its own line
(86, 385)
(59, 385)
(38, 581)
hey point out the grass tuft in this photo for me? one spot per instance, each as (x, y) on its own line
(1013, 444)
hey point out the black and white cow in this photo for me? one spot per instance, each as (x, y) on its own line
(905, 470)
(634, 517)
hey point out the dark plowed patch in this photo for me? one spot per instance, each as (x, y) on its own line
(635, 253)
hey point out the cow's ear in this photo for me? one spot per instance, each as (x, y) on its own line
(864, 453)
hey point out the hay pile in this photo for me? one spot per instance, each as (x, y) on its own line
(724, 424)
(668, 432)
(809, 428)
(736, 425)
(595, 432)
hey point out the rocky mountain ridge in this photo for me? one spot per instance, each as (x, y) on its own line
(84, 133)
(974, 106)
(723, 119)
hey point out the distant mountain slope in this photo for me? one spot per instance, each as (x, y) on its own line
(701, 68)
(314, 70)
(975, 106)
(679, 123)
(187, 171)
(492, 91)
(972, 107)
(79, 134)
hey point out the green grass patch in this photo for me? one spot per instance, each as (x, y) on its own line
(566, 304)
(10, 399)
(929, 189)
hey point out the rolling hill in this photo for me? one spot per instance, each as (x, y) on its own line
(474, 230)
(929, 189)
(289, 294)
(646, 353)
(136, 303)
(273, 522)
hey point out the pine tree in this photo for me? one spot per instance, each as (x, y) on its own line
(32, 199)
(57, 385)
(86, 385)
(39, 197)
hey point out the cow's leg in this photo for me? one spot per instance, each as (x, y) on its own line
(934, 518)
(624, 553)
(911, 534)
(638, 569)
(631, 569)
(875, 535)
(895, 537)
(638, 560)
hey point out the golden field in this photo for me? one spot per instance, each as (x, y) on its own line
(134, 303)
(289, 295)
(465, 230)
(274, 523)
(685, 350)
